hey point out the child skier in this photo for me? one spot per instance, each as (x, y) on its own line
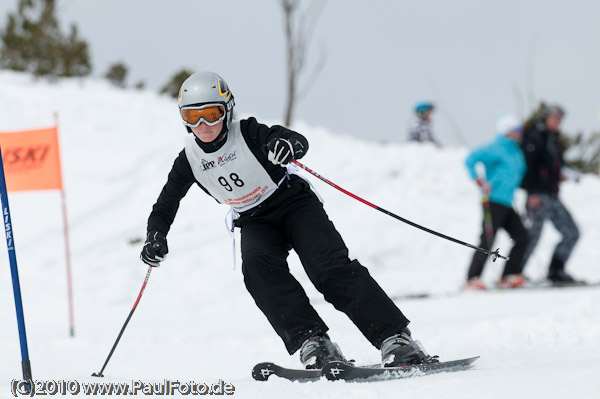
(243, 164)
(420, 129)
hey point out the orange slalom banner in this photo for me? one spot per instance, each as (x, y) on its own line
(31, 159)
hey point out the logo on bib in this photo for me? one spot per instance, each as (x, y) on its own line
(206, 165)
(226, 158)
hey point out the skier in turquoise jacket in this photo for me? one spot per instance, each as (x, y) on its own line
(504, 169)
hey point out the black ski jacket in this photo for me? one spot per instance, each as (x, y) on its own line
(544, 160)
(181, 177)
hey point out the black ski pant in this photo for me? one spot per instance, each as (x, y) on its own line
(501, 217)
(552, 208)
(295, 219)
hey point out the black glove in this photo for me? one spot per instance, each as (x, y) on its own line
(155, 249)
(281, 151)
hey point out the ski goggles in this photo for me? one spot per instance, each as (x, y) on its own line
(211, 114)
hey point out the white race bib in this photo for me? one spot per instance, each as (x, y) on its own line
(232, 175)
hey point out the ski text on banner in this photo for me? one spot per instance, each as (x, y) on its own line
(31, 160)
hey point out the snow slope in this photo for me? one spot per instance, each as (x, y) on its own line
(196, 321)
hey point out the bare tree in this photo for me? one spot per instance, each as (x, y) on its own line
(530, 72)
(299, 28)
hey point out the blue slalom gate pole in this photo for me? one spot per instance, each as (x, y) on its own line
(12, 256)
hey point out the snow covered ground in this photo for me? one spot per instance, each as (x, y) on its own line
(196, 322)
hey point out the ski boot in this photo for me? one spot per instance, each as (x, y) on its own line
(512, 281)
(401, 350)
(474, 284)
(559, 277)
(557, 274)
(318, 351)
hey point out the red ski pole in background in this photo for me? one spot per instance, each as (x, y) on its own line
(493, 254)
(488, 226)
(99, 374)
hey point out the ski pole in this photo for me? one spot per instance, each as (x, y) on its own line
(12, 259)
(494, 254)
(99, 374)
(488, 226)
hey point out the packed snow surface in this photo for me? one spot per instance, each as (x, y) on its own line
(195, 320)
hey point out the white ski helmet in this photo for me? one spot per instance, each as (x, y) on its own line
(203, 88)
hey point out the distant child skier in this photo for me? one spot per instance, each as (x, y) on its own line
(421, 129)
(504, 168)
(242, 163)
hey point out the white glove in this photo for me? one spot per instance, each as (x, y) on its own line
(281, 152)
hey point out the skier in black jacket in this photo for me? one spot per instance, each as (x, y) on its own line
(543, 156)
(243, 164)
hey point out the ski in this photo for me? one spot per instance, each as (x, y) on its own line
(344, 371)
(533, 285)
(566, 284)
(262, 372)
(546, 285)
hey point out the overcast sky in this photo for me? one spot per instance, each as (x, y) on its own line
(472, 58)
